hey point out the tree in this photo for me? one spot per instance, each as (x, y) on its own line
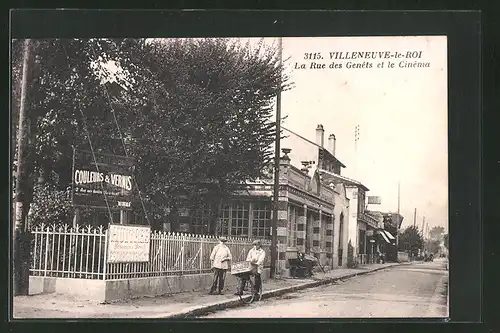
(445, 241)
(410, 240)
(65, 94)
(432, 245)
(68, 105)
(207, 105)
(436, 233)
(196, 112)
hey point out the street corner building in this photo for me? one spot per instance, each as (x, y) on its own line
(326, 211)
(320, 211)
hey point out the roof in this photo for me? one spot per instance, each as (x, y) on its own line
(332, 156)
(342, 179)
(314, 144)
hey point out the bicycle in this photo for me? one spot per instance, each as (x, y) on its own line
(246, 271)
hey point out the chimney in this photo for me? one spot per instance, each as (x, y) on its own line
(331, 143)
(320, 135)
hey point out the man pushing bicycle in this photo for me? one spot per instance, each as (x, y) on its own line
(255, 257)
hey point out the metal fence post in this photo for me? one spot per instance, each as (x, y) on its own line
(105, 261)
(46, 251)
(182, 252)
(201, 255)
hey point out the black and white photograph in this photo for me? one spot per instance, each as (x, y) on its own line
(210, 178)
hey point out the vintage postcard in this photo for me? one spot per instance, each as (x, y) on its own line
(273, 177)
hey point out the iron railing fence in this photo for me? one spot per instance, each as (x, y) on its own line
(80, 252)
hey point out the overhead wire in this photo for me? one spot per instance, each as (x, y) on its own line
(89, 140)
(106, 92)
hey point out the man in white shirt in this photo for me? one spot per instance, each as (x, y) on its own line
(220, 258)
(256, 257)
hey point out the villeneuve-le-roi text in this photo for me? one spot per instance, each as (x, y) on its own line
(405, 59)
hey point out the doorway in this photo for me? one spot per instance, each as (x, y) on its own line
(341, 239)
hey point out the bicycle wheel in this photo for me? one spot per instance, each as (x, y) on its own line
(248, 298)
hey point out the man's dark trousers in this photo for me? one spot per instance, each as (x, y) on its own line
(218, 282)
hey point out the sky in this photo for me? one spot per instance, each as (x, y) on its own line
(401, 113)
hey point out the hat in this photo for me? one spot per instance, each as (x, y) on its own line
(256, 242)
(223, 239)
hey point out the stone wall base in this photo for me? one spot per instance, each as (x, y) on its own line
(113, 290)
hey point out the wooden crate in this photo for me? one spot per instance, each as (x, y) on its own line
(241, 267)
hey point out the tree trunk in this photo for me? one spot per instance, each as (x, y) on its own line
(21, 236)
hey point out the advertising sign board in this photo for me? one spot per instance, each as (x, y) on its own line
(110, 179)
(372, 200)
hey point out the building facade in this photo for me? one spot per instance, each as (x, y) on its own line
(320, 211)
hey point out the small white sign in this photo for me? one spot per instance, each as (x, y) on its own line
(128, 243)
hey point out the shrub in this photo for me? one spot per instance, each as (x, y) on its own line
(50, 205)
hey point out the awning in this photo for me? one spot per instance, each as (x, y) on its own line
(389, 235)
(384, 236)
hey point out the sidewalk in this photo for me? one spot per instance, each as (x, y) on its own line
(181, 305)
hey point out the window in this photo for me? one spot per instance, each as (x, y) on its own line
(225, 219)
(200, 221)
(293, 213)
(361, 201)
(261, 220)
(240, 219)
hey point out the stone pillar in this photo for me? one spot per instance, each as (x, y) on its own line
(324, 258)
(366, 239)
(316, 235)
(282, 230)
(301, 230)
(329, 241)
(282, 221)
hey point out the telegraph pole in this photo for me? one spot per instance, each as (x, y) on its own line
(21, 244)
(423, 231)
(397, 220)
(274, 225)
(415, 218)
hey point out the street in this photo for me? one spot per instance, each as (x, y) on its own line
(417, 290)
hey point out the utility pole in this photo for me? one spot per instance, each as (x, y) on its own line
(274, 225)
(415, 218)
(397, 220)
(423, 231)
(21, 242)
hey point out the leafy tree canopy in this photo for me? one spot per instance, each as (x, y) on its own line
(192, 111)
(436, 233)
(411, 240)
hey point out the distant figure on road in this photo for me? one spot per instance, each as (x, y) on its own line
(220, 258)
(380, 258)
